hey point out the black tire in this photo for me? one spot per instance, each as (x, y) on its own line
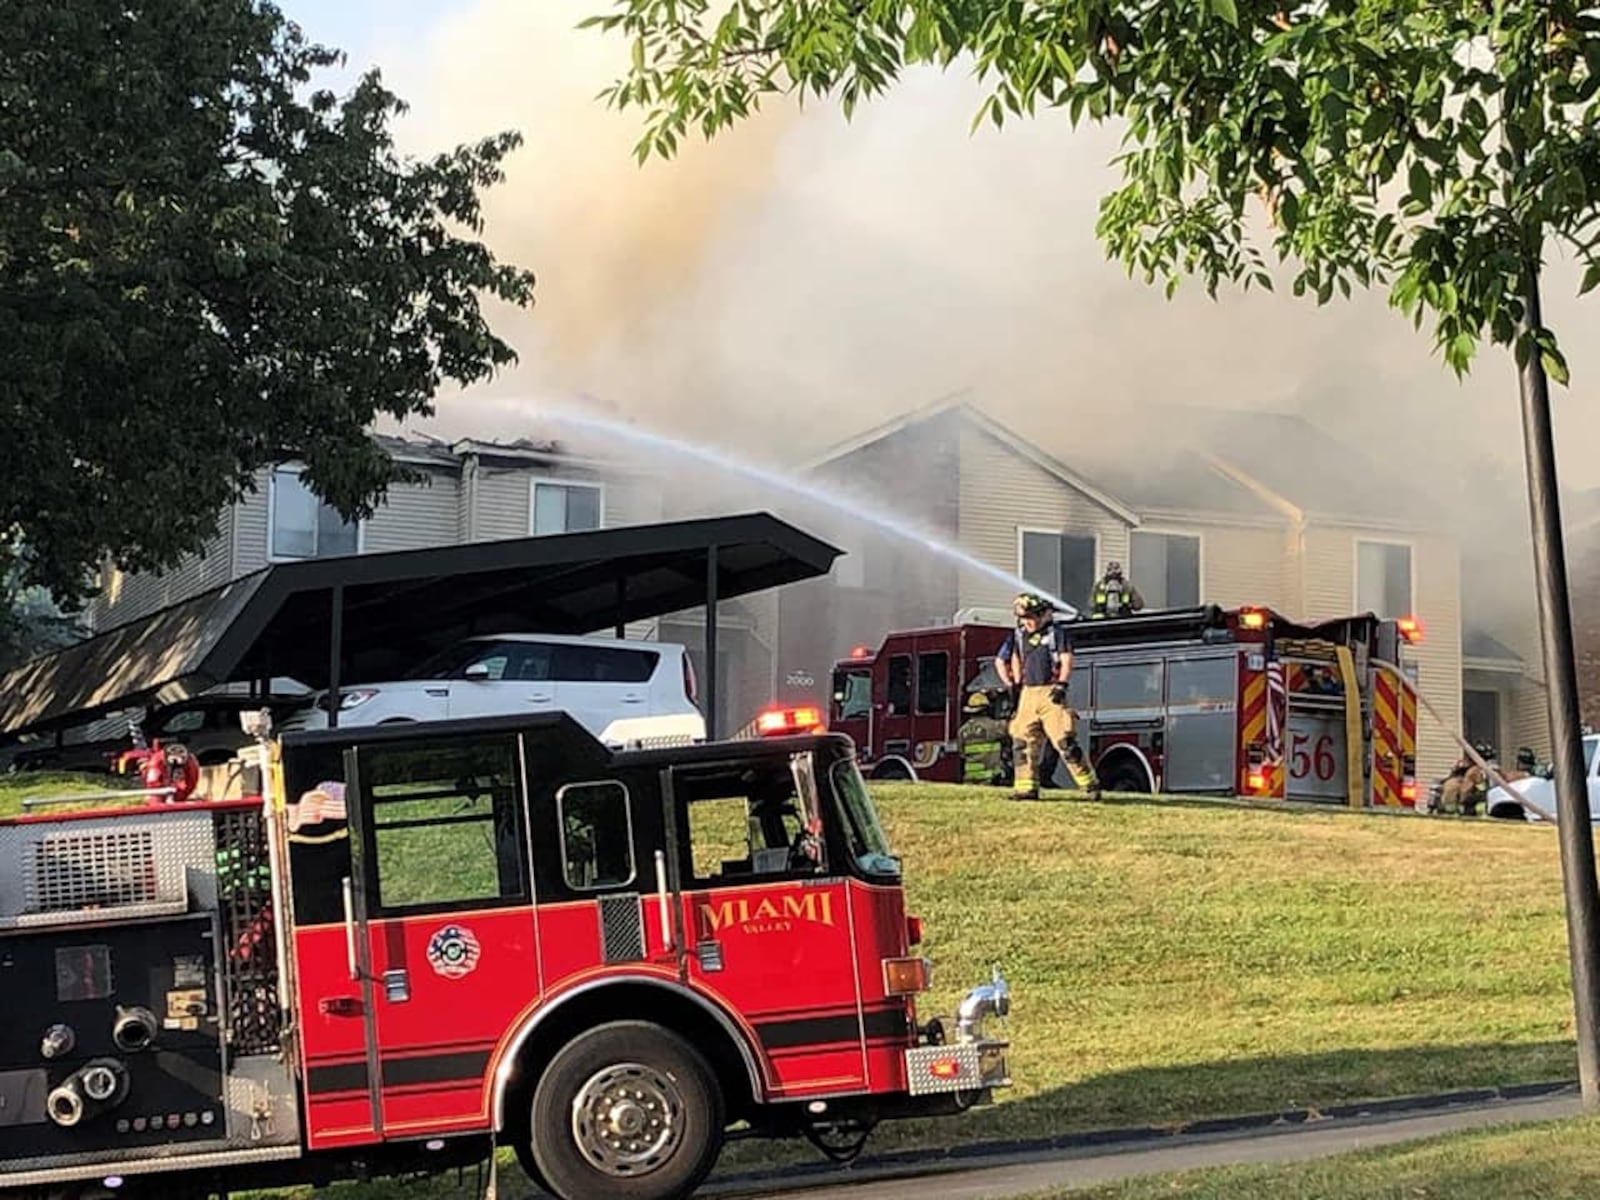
(621, 1060)
(893, 771)
(1124, 775)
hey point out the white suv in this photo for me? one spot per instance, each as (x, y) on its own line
(624, 692)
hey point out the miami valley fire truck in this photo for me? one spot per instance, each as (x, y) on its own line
(428, 940)
(1202, 700)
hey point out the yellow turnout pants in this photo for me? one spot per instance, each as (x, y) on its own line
(1039, 717)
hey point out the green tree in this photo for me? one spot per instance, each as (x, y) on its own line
(1433, 147)
(207, 264)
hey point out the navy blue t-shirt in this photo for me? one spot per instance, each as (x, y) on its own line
(1040, 649)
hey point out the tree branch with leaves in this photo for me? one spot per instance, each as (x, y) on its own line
(208, 264)
(1431, 148)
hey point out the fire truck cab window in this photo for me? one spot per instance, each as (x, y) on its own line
(753, 824)
(900, 685)
(852, 693)
(933, 682)
(596, 835)
(444, 822)
(869, 845)
(1127, 685)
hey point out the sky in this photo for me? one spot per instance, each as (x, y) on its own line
(804, 278)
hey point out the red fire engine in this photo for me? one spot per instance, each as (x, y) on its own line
(429, 940)
(1203, 700)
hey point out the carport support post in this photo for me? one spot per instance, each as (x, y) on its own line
(335, 653)
(1555, 620)
(711, 643)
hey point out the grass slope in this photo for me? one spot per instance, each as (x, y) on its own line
(1172, 961)
(1558, 1160)
(14, 789)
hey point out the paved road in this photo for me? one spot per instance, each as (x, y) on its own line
(1023, 1174)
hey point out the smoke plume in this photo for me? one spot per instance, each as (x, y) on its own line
(802, 279)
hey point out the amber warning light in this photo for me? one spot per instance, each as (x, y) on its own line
(1410, 629)
(776, 722)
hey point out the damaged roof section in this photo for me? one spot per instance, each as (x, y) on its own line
(400, 607)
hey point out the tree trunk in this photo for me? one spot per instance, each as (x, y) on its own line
(1571, 769)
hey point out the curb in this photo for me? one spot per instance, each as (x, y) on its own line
(880, 1165)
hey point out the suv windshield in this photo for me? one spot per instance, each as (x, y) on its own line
(869, 845)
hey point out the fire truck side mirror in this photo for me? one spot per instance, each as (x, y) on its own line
(256, 724)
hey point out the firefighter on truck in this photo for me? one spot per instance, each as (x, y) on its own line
(407, 946)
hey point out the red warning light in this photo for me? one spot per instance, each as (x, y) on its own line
(860, 652)
(945, 1068)
(1410, 629)
(776, 722)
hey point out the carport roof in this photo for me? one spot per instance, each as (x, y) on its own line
(398, 607)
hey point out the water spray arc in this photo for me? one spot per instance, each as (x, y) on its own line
(775, 480)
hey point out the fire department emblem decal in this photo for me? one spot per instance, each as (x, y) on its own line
(453, 951)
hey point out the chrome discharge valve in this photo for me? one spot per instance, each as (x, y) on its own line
(992, 999)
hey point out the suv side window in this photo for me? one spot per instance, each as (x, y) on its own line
(603, 664)
(189, 720)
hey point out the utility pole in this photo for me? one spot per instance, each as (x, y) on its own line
(1555, 622)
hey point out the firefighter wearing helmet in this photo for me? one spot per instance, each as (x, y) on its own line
(1115, 595)
(1037, 658)
(984, 738)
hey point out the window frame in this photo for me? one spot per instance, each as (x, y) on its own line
(1095, 563)
(1166, 531)
(534, 484)
(1410, 548)
(919, 707)
(295, 467)
(363, 811)
(561, 832)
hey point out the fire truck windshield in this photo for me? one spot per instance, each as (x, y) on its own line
(869, 845)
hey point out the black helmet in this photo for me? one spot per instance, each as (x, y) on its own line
(1526, 758)
(1030, 604)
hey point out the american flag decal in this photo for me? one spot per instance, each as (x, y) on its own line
(1276, 698)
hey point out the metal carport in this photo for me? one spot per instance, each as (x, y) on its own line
(369, 616)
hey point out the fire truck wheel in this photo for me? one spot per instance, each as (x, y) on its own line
(1124, 775)
(628, 1109)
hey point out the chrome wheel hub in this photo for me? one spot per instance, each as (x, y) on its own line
(627, 1119)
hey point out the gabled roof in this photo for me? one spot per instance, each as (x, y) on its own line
(1475, 643)
(1184, 484)
(1322, 476)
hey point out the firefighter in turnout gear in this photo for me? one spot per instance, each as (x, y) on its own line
(1037, 659)
(1467, 785)
(984, 738)
(1115, 595)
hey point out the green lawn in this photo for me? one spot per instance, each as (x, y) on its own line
(1173, 961)
(1557, 1160)
(14, 789)
(1176, 961)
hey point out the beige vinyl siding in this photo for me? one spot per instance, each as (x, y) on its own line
(1529, 719)
(127, 597)
(1001, 493)
(250, 523)
(1239, 565)
(1527, 715)
(1330, 567)
(503, 499)
(415, 515)
(632, 500)
(1292, 572)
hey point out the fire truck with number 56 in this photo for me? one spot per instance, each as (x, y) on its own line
(1200, 700)
(404, 946)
